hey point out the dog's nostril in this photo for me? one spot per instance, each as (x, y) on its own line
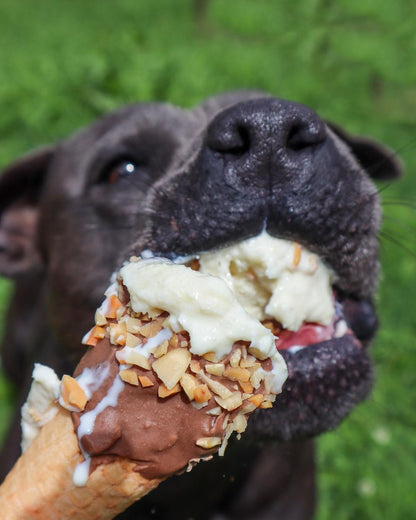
(264, 127)
(232, 139)
(303, 134)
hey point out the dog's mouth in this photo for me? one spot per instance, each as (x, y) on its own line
(320, 331)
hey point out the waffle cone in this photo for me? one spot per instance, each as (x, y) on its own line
(40, 484)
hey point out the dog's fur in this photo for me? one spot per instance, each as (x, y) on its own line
(222, 172)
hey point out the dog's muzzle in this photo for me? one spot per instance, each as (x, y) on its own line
(272, 165)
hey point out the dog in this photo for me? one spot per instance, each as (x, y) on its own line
(178, 182)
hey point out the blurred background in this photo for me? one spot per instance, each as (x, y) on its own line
(64, 63)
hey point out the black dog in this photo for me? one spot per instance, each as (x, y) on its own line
(153, 176)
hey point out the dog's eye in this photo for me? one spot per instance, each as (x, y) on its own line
(118, 170)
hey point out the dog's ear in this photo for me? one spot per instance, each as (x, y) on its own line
(380, 162)
(20, 190)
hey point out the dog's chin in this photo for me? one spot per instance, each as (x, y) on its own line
(326, 380)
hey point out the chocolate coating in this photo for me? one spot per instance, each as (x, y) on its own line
(159, 434)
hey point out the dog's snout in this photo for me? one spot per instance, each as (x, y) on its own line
(265, 125)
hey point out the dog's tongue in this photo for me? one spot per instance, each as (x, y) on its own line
(307, 334)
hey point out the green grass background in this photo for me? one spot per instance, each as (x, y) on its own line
(62, 63)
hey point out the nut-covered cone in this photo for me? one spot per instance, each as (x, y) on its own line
(40, 485)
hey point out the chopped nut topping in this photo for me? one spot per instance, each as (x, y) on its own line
(214, 411)
(250, 361)
(174, 341)
(163, 391)
(266, 404)
(248, 408)
(161, 349)
(98, 332)
(152, 328)
(256, 399)
(90, 340)
(257, 353)
(132, 340)
(189, 383)
(237, 374)
(133, 325)
(129, 376)
(272, 325)
(118, 333)
(145, 381)
(297, 253)
(246, 387)
(268, 324)
(132, 357)
(120, 312)
(217, 387)
(235, 358)
(229, 430)
(216, 369)
(99, 318)
(256, 378)
(195, 366)
(194, 264)
(202, 394)
(209, 356)
(230, 403)
(172, 366)
(113, 304)
(72, 394)
(240, 423)
(208, 442)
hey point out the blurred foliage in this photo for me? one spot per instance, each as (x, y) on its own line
(64, 63)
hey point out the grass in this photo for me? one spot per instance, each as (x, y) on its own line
(65, 63)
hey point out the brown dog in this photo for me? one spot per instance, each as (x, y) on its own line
(153, 176)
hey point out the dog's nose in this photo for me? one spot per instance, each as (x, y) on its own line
(264, 127)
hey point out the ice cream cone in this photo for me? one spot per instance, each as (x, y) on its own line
(40, 486)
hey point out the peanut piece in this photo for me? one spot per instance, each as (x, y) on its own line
(202, 394)
(152, 328)
(129, 376)
(172, 366)
(161, 349)
(145, 381)
(235, 358)
(208, 442)
(72, 393)
(230, 403)
(113, 303)
(215, 386)
(256, 399)
(163, 391)
(189, 383)
(215, 369)
(132, 340)
(237, 374)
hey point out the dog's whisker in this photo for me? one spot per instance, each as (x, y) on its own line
(399, 223)
(393, 156)
(383, 188)
(400, 202)
(388, 237)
